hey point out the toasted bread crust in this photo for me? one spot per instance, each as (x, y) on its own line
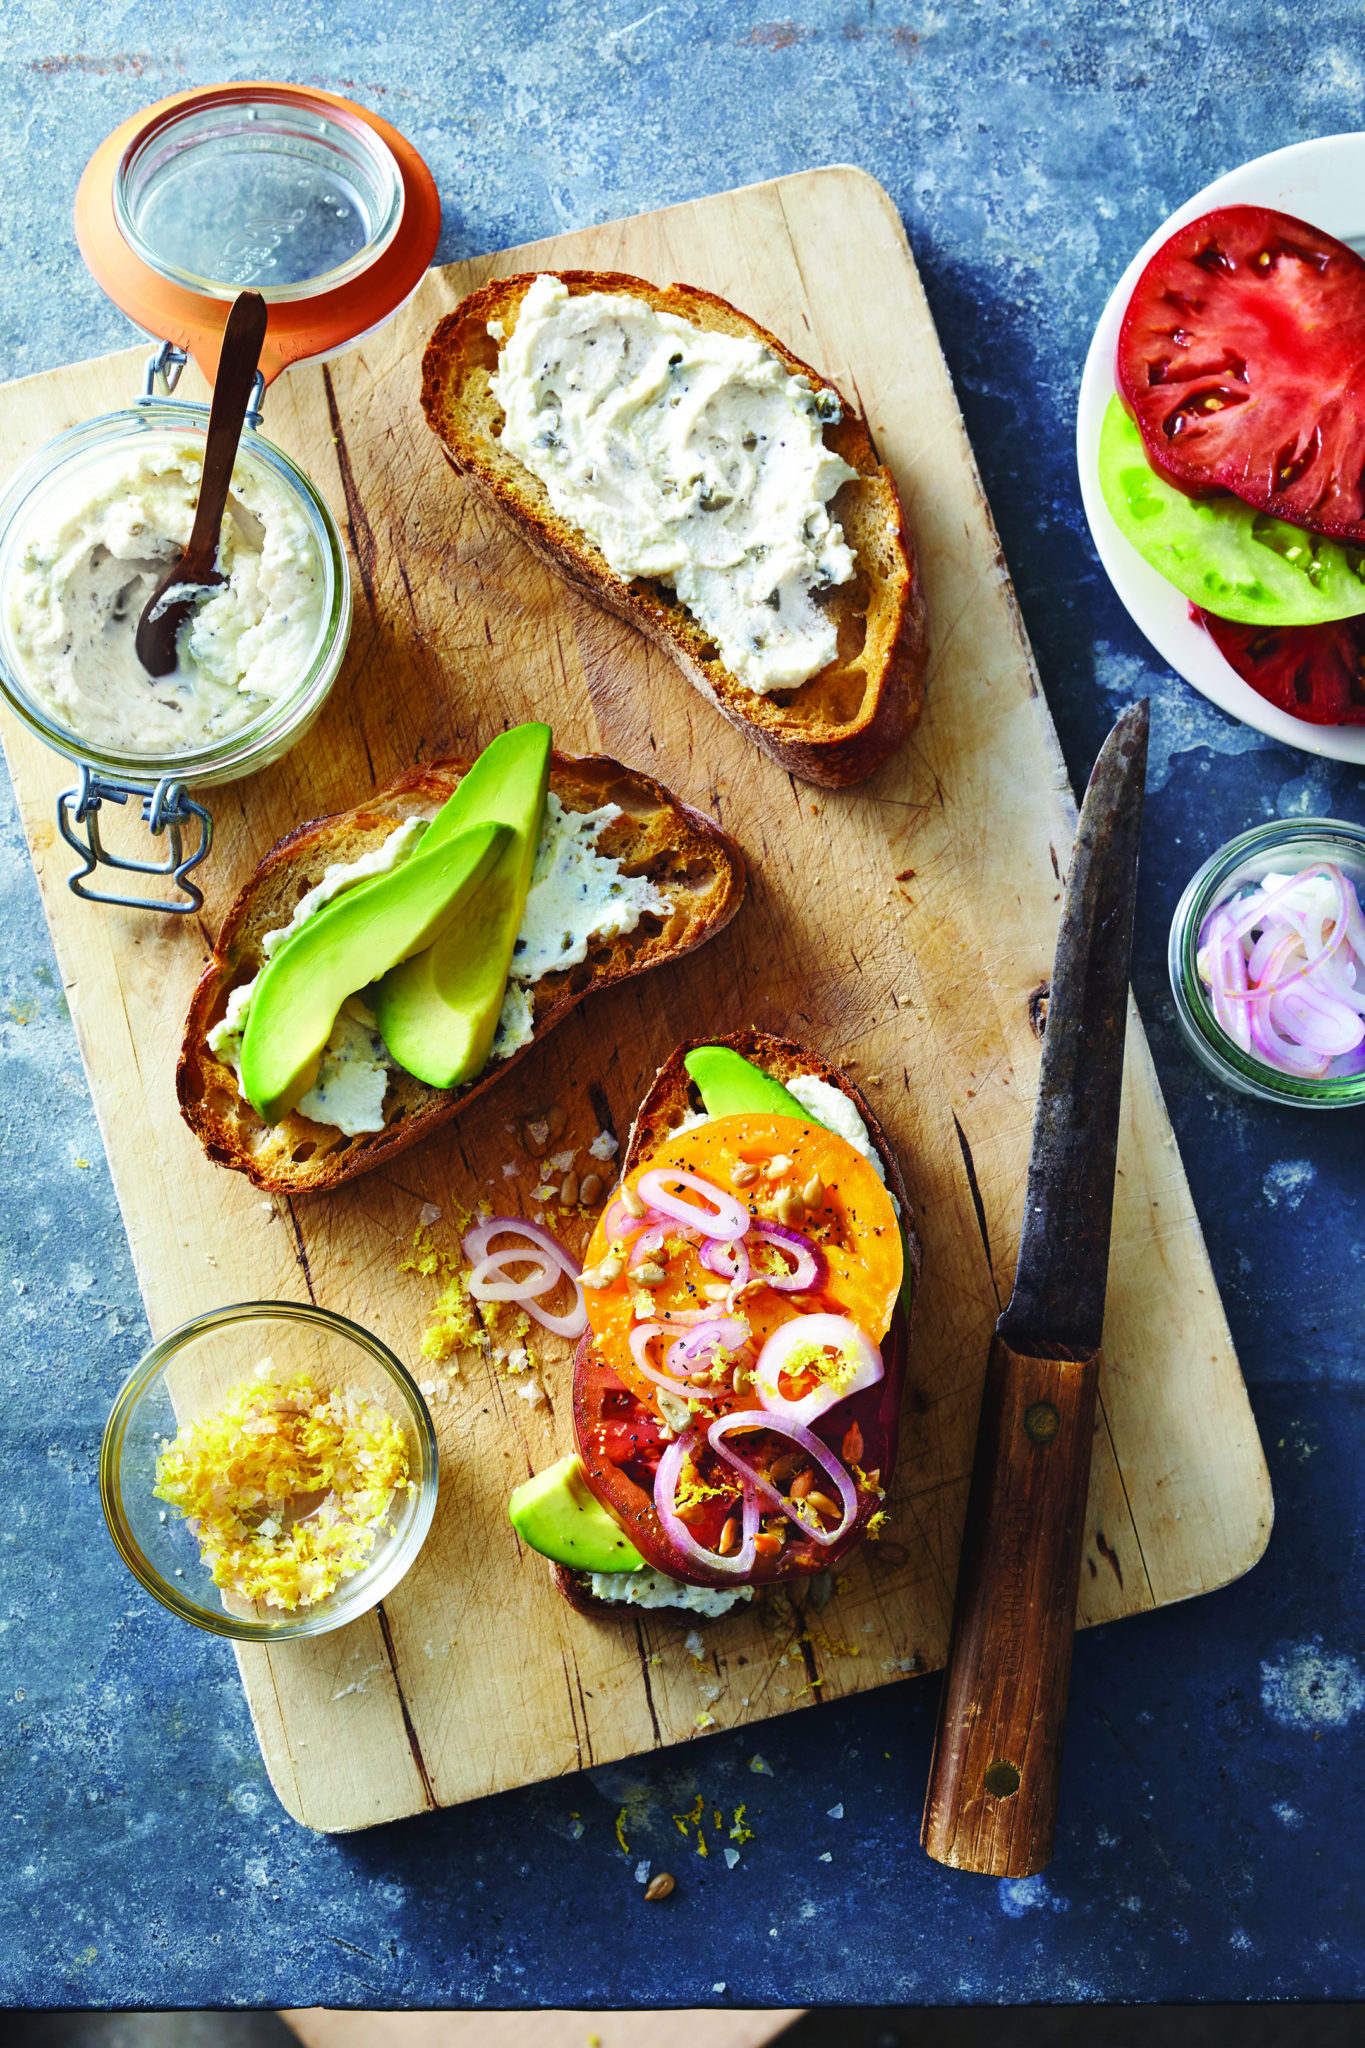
(696, 865)
(672, 1097)
(845, 721)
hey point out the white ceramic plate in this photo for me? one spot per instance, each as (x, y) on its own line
(1322, 182)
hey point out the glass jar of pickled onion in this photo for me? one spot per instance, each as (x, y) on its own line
(1267, 963)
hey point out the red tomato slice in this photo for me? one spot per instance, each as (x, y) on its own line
(1316, 673)
(1242, 359)
(619, 1441)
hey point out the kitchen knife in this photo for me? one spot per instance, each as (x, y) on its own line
(992, 1800)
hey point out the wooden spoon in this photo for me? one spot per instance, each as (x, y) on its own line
(198, 566)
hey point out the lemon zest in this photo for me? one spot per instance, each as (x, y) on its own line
(236, 1473)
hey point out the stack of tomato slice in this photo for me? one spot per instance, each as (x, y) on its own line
(1241, 360)
(737, 1398)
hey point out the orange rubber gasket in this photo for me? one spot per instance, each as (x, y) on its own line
(297, 330)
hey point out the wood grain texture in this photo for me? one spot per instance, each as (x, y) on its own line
(992, 1800)
(900, 927)
(682, 2028)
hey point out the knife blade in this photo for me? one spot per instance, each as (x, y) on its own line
(992, 1797)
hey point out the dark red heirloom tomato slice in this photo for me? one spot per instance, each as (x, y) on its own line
(1316, 673)
(1242, 359)
(620, 1444)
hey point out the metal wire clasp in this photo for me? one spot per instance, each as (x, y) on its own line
(167, 361)
(165, 808)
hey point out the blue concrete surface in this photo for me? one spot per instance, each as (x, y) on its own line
(1210, 1845)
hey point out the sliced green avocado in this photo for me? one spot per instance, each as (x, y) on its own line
(555, 1513)
(733, 1086)
(349, 943)
(438, 1011)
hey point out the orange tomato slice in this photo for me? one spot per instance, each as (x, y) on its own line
(853, 1226)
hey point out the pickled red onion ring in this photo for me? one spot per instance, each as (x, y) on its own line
(653, 1239)
(759, 1418)
(485, 1287)
(810, 1267)
(677, 1531)
(641, 1337)
(728, 1256)
(728, 1219)
(1284, 966)
(702, 1340)
(838, 1333)
(552, 1261)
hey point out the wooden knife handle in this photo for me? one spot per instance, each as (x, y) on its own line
(992, 1801)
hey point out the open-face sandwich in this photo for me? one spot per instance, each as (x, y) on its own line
(749, 1289)
(672, 459)
(383, 967)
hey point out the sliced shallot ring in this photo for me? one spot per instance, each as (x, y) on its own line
(728, 1219)
(759, 1418)
(653, 1238)
(641, 1337)
(727, 1256)
(810, 1267)
(836, 1332)
(485, 1287)
(677, 1531)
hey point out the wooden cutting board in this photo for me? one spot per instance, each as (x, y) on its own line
(902, 927)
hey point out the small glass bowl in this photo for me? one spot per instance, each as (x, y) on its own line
(278, 725)
(187, 1375)
(1283, 846)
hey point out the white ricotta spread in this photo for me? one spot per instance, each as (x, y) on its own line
(831, 1107)
(352, 1077)
(653, 1589)
(100, 543)
(692, 457)
(576, 895)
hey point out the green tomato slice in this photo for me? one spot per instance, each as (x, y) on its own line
(1222, 554)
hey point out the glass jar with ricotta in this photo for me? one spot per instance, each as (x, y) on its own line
(330, 214)
(87, 528)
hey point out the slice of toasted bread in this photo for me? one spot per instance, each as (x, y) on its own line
(696, 866)
(842, 723)
(674, 1097)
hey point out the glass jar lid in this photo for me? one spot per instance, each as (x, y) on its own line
(264, 189)
(309, 199)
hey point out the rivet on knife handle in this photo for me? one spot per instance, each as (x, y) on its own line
(992, 1801)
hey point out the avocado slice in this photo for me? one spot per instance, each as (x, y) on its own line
(555, 1513)
(438, 1011)
(351, 941)
(733, 1086)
